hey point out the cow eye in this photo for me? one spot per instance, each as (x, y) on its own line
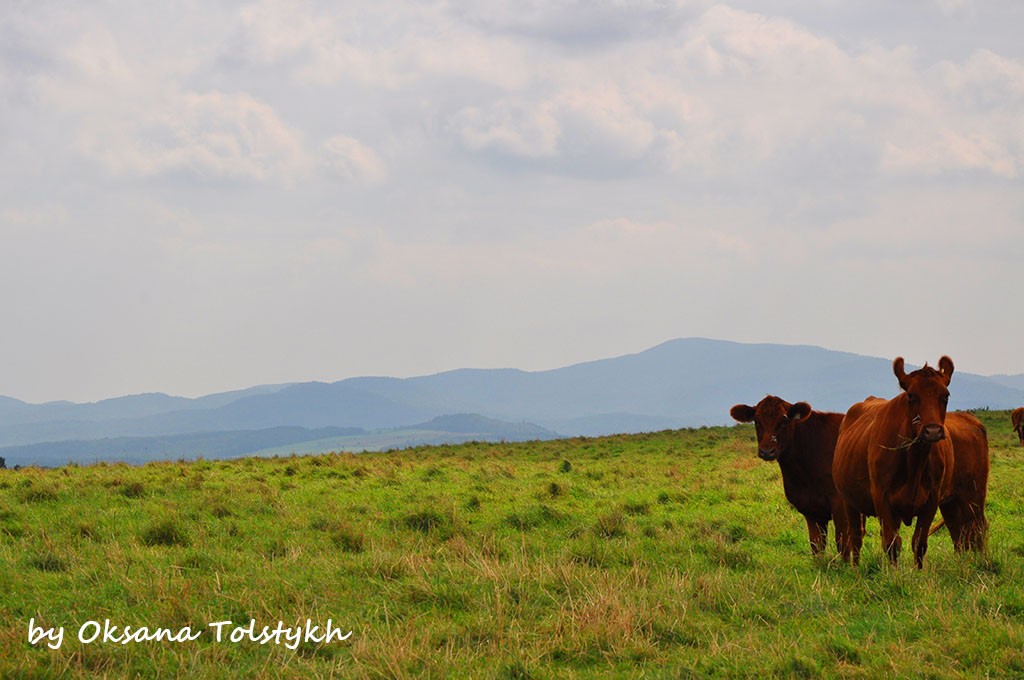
(912, 397)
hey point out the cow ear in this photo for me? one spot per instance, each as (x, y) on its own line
(897, 369)
(799, 412)
(742, 413)
(946, 368)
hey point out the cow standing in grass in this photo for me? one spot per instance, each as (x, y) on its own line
(802, 441)
(1017, 418)
(963, 510)
(895, 461)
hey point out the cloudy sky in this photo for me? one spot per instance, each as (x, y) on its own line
(213, 195)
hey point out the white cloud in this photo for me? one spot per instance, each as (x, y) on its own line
(572, 23)
(937, 150)
(313, 43)
(511, 127)
(971, 123)
(384, 49)
(602, 117)
(136, 118)
(985, 81)
(578, 129)
(729, 93)
(353, 160)
(210, 134)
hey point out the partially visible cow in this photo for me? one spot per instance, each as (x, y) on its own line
(894, 460)
(802, 441)
(1017, 418)
(964, 509)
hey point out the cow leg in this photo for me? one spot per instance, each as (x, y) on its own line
(967, 524)
(858, 537)
(953, 515)
(817, 531)
(854, 538)
(890, 529)
(977, 529)
(921, 529)
(842, 523)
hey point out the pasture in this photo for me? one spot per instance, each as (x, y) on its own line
(671, 554)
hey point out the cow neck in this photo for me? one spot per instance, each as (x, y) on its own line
(902, 440)
(792, 460)
(915, 456)
(917, 461)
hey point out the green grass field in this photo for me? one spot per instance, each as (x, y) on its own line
(671, 554)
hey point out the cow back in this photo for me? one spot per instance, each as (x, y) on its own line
(970, 455)
(807, 469)
(850, 462)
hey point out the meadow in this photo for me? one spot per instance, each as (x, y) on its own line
(663, 555)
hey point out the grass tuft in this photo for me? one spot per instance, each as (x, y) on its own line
(87, 530)
(425, 521)
(347, 538)
(38, 494)
(49, 562)
(843, 650)
(164, 532)
(611, 525)
(637, 508)
(537, 516)
(133, 490)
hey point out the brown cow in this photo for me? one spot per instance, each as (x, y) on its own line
(1017, 418)
(963, 510)
(894, 460)
(802, 441)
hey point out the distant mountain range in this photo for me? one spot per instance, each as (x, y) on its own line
(282, 440)
(680, 383)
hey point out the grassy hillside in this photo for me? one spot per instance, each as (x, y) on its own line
(669, 555)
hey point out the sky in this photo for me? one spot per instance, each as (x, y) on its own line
(201, 196)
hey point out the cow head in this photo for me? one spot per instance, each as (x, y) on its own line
(774, 421)
(927, 396)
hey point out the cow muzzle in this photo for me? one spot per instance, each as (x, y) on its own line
(933, 433)
(768, 454)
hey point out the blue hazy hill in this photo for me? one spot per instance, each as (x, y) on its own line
(685, 382)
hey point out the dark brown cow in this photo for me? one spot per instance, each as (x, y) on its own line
(893, 460)
(802, 441)
(1017, 418)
